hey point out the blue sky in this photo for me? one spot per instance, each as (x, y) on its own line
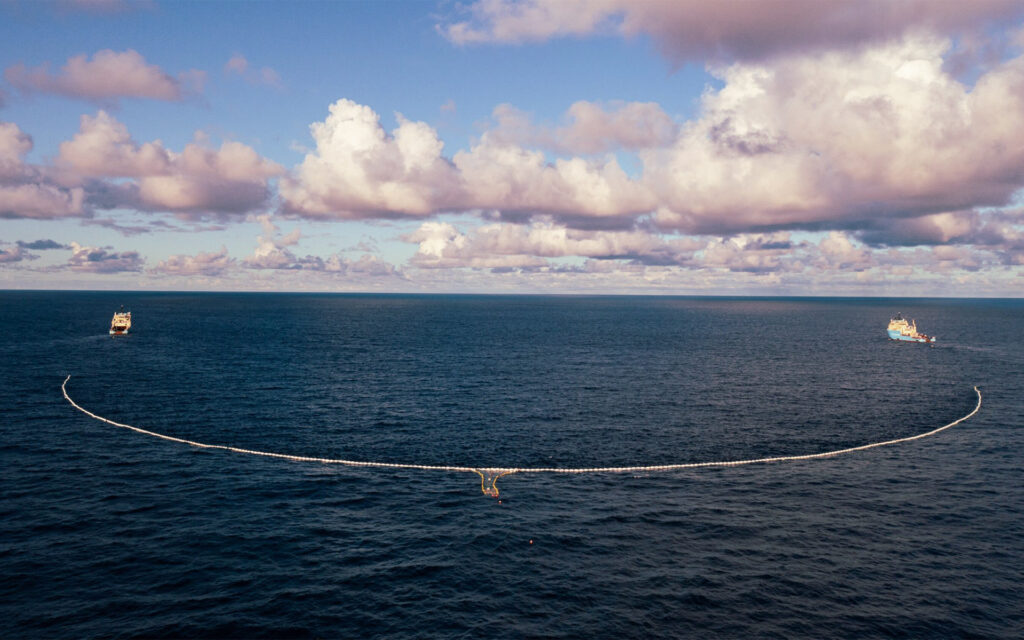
(612, 147)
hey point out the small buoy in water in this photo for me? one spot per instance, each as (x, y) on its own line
(531, 541)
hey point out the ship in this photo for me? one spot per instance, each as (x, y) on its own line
(901, 329)
(121, 322)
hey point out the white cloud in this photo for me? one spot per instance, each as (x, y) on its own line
(214, 263)
(230, 180)
(358, 170)
(589, 128)
(364, 265)
(506, 177)
(835, 140)
(99, 260)
(14, 144)
(25, 190)
(40, 201)
(271, 251)
(696, 29)
(442, 245)
(104, 148)
(14, 254)
(843, 139)
(753, 253)
(107, 77)
(840, 253)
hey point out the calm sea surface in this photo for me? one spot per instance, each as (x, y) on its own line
(105, 532)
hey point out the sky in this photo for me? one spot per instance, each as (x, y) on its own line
(777, 147)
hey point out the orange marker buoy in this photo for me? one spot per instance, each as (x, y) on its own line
(531, 541)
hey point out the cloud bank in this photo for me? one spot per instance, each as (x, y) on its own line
(697, 30)
(214, 263)
(864, 155)
(100, 260)
(841, 141)
(360, 171)
(272, 252)
(442, 245)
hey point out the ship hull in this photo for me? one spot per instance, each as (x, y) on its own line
(896, 335)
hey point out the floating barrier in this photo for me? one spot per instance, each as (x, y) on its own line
(489, 475)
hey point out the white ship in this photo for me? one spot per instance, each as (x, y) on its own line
(900, 329)
(121, 322)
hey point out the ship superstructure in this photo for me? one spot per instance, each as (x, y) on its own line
(902, 329)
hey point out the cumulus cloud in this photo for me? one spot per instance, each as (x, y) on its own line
(229, 180)
(843, 139)
(773, 259)
(199, 180)
(271, 249)
(272, 253)
(752, 253)
(590, 128)
(955, 258)
(840, 140)
(506, 177)
(526, 257)
(698, 30)
(626, 125)
(372, 265)
(358, 170)
(100, 260)
(14, 144)
(14, 254)
(839, 252)
(939, 228)
(25, 190)
(104, 148)
(442, 245)
(21, 252)
(214, 263)
(364, 265)
(107, 77)
(41, 201)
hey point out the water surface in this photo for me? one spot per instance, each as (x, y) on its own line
(108, 533)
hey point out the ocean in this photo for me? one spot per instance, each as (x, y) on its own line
(109, 533)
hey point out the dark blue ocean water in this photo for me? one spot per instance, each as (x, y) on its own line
(108, 533)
